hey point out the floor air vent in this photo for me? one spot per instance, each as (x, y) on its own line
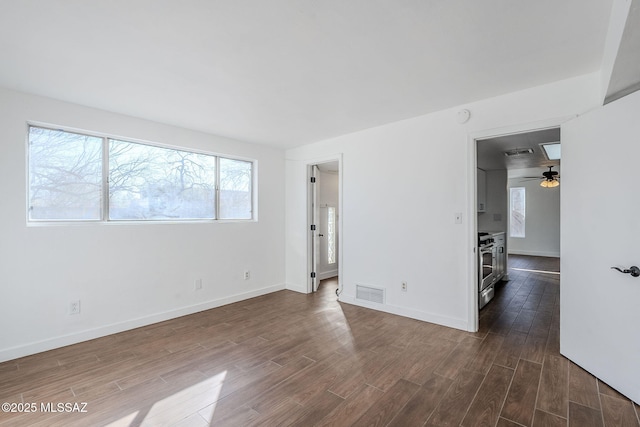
(367, 293)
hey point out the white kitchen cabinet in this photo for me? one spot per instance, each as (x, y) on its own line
(482, 190)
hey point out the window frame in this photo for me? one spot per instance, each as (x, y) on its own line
(104, 199)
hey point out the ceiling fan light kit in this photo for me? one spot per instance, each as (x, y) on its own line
(550, 179)
(549, 183)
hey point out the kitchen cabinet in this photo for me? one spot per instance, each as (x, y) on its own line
(481, 196)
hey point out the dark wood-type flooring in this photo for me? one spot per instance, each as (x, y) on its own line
(293, 359)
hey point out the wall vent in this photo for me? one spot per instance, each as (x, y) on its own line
(367, 293)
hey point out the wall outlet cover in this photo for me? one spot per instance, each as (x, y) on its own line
(74, 307)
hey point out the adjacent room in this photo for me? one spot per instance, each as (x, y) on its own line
(319, 213)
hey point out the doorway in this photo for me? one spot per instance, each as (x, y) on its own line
(324, 224)
(515, 198)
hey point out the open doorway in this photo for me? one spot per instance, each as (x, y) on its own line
(324, 221)
(518, 222)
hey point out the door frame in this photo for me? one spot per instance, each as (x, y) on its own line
(473, 313)
(309, 164)
(314, 219)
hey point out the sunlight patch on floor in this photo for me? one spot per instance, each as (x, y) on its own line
(181, 404)
(124, 421)
(185, 402)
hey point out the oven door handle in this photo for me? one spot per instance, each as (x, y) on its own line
(486, 249)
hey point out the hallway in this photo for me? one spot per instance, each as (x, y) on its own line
(525, 317)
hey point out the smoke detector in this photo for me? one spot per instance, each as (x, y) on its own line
(463, 116)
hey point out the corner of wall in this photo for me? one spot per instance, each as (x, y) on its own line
(296, 288)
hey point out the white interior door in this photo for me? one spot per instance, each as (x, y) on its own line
(600, 228)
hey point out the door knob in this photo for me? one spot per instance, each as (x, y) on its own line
(633, 271)
(320, 235)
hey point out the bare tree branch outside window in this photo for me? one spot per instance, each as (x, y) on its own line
(147, 182)
(235, 189)
(65, 175)
(144, 182)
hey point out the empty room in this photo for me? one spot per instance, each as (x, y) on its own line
(292, 212)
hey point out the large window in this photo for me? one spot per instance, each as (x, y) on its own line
(517, 212)
(69, 174)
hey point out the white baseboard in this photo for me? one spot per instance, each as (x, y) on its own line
(534, 253)
(408, 312)
(89, 334)
(327, 274)
(296, 288)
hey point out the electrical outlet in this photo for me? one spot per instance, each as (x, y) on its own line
(74, 307)
(247, 275)
(404, 287)
(198, 284)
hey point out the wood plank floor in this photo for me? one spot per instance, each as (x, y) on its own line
(293, 359)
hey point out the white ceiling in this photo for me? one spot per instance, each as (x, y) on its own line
(290, 72)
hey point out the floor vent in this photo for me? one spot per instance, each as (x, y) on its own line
(368, 293)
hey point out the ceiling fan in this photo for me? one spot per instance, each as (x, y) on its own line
(549, 179)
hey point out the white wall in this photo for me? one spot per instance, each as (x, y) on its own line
(328, 189)
(495, 217)
(124, 275)
(402, 184)
(542, 217)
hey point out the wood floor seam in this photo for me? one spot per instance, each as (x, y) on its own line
(550, 413)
